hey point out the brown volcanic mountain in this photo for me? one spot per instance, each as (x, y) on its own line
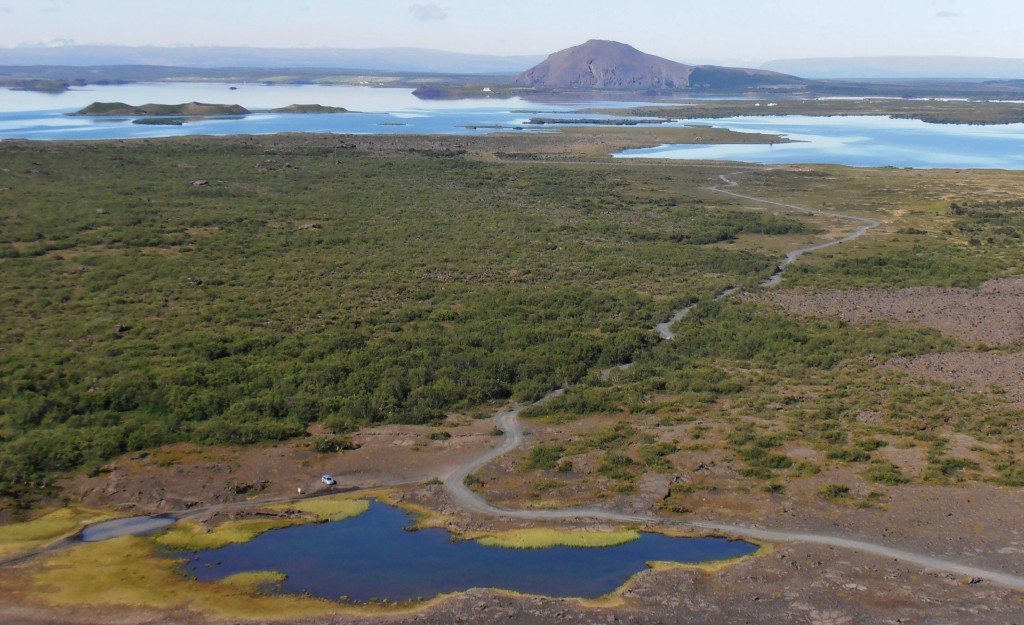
(612, 65)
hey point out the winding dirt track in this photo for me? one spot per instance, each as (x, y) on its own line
(866, 224)
(508, 421)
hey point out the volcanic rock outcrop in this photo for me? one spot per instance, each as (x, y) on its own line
(600, 64)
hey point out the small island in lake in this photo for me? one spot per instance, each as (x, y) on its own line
(160, 121)
(120, 109)
(189, 108)
(309, 108)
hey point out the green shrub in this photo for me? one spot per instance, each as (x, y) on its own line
(947, 469)
(871, 444)
(835, 491)
(612, 437)
(547, 485)
(885, 472)
(847, 454)
(618, 466)
(758, 458)
(806, 467)
(544, 456)
(330, 444)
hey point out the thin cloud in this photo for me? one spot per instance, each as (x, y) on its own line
(948, 14)
(428, 12)
(58, 42)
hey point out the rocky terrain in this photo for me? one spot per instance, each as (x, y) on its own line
(1002, 374)
(991, 315)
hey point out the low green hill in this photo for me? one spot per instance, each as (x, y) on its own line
(309, 108)
(188, 108)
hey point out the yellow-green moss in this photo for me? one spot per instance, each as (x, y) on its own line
(543, 538)
(24, 537)
(333, 508)
(189, 536)
(127, 572)
(254, 581)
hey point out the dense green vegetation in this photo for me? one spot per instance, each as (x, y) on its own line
(237, 290)
(231, 291)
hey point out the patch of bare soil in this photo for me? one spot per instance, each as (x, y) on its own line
(1002, 374)
(179, 477)
(992, 315)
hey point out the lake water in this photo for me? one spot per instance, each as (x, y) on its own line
(31, 115)
(373, 556)
(855, 141)
(860, 141)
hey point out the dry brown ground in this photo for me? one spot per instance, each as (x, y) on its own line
(1001, 374)
(184, 476)
(991, 315)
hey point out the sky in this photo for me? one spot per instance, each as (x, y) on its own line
(695, 31)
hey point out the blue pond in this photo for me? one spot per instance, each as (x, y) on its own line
(372, 556)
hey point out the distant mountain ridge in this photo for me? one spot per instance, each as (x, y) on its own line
(599, 64)
(380, 59)
(941, 67)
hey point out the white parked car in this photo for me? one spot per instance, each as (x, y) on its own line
(327, 479)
